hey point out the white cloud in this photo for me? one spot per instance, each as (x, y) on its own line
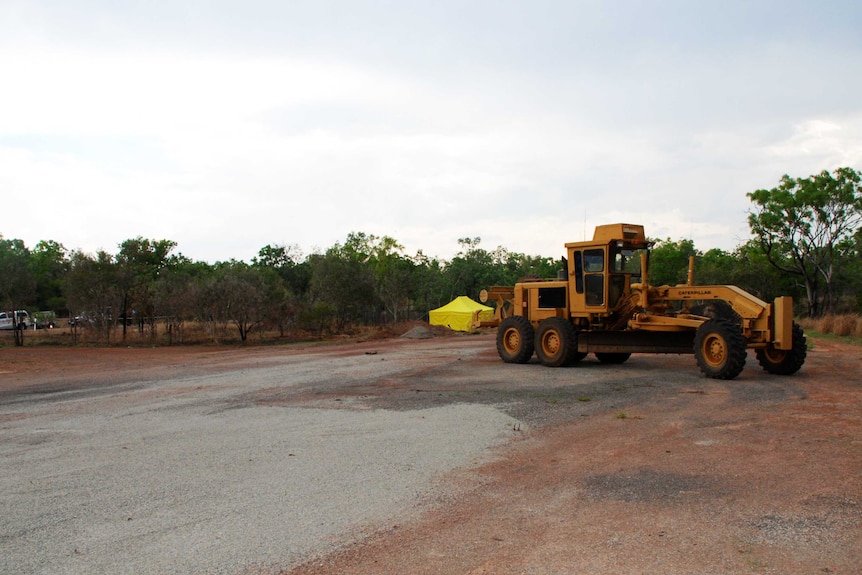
(822, 144)
(228, 130)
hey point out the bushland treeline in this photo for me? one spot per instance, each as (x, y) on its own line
(807, 243)
(366, 280)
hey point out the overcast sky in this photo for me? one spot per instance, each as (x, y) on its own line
(226, 126)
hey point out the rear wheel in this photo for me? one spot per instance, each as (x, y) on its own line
(784, 361)
(515, 339)
(720, 349)
(556, 342)
(608, 357)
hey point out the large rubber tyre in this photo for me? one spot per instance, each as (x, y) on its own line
(608, 357)
(515, 339)
(556, 342)
(785, 361)
(720, 349)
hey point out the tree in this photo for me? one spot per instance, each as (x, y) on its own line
(510, 267)
(287, 279)
(288, 262)
(17, 286)
(49, 264)
(428, 283)
(855, 270)
(806, 227)
(176, 292)
(471, 270)
(91, 290)
(716, 267)
(243, 294)
(753, 273)
(139, 262)
(342, 279)
(668, 262)
(277, 256)
(392, 275)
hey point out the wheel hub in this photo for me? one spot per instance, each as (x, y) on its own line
(715, 350)
(551, 343)
(513, 340)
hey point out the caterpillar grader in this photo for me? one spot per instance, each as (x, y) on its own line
(602, 303)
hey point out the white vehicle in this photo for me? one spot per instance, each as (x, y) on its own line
(8, 319)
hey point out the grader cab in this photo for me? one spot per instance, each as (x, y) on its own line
(602, 303)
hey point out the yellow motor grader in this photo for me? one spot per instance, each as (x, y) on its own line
(602, 303)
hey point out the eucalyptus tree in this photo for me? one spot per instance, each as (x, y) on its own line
(242, 296)
(139, 263)
(49, 263)
(807, 227)
(176, 292)
(342, 280)
(91, 291)
(429, 286)
(471, 270)
(393, 272)
(668, 261)
(286, 278)
(753, 272)
(507, 267)
(289, 263)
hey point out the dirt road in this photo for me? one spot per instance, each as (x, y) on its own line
(644, 467)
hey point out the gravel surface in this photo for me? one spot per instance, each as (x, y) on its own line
(424, 457)
(189, 475)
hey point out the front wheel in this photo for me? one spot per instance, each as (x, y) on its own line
(515, 339)
(785, 361)
(719, 348)
(556, 342)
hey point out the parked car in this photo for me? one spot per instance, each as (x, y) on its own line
(19, 317)
(84, 319)
(44, 320)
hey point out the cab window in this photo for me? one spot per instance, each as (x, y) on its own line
(594, 280)
(594, 261)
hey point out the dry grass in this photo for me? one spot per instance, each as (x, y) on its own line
(194, 333)
(847, 325)
(197, 333)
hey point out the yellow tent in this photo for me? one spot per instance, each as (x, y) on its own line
(460, 313)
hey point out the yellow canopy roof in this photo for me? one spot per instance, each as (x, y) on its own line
(460, 313)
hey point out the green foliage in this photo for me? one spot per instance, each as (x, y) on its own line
(809, 227)
(428, 284)
(317, 318)
(17, 285)
(138, 264)
(49, 264)
(242, 296)
(511, 267)
(341, 280)
(668, 264)
(91, 290)
(471, 270)
(754, 273)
